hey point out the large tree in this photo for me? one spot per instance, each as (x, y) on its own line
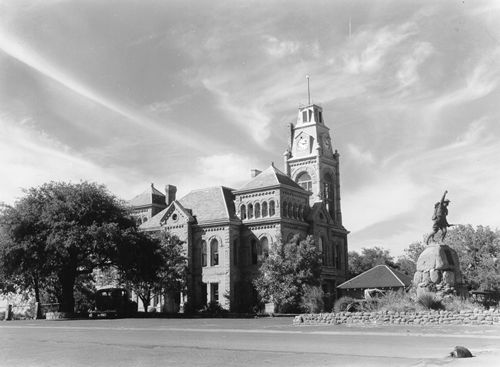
(478, 250)
(59, 231)
(288, 272)
(369, 257)
(155, 266)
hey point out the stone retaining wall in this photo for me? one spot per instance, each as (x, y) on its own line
(476, 317)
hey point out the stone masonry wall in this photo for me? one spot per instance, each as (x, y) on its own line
(476, 317)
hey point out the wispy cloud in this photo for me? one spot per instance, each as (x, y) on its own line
(359, 155)
(408, 72)
(29, 157)
(370, 47)
(280, 48)
(24, 54)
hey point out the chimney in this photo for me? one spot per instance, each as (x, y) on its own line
(170, 191)
(254, 172)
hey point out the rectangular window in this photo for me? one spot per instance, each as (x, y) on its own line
(214, 292)
(304, 116)
(203, 253)
(320, 116)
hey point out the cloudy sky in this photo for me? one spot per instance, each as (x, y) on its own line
(196, 93)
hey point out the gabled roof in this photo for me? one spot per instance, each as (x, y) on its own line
(270, 177)
(210, 204)
(205, 205)
(156, 221)
(146, 198)
(380, 276)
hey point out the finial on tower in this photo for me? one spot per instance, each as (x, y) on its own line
(308, 91)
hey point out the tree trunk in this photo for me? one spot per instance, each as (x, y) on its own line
(146, 300)
(67, 281)
(36, 287)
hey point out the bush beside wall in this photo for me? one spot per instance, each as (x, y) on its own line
(465, 317)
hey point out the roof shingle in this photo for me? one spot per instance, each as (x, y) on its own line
(270, 177)
(146, 198)
(380, 276)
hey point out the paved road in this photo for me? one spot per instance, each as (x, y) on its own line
(237, 342)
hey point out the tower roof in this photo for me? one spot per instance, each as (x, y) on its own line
(146, 198)
(270, 177)
(380, 276)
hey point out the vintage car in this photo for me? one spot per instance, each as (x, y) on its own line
(113, 302)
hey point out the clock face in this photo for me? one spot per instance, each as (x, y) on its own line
(302, 143)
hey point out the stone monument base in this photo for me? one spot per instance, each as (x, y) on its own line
(438, 271)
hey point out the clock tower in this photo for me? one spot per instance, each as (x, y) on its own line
(311, 161)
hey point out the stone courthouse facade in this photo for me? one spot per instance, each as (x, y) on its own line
(227, 232)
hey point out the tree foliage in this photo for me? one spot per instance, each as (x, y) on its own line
(369, 257)
(478, 250)
(60, 231)
(289, 271)
(154, 265)
(407, 263)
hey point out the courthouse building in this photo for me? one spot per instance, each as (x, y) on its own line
(228, 231)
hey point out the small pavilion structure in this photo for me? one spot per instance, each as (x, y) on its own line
(380, 277)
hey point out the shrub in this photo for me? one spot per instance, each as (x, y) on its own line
(457, 304)
(214, 308)
(429, 301)
(347, 304)
(397, 302)
(312, 300)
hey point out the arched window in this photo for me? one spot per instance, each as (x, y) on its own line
(285, 209)
(295, 211)
(301, 212)
(250, 211)
(204, 253)
(272, 209)
(305, 181)
(257, 210)
(264, 209)
(328, 193)
(264, 247)
(214, 252)
(243, 211)
(290, 210)
(254, 250)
